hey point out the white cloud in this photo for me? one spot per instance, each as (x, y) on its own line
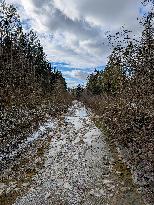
(78, 74)
(78, 27)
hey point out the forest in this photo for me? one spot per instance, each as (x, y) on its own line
(121, 96)
(29, 88)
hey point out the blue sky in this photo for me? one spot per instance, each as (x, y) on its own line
(73, 32)
(74, 74)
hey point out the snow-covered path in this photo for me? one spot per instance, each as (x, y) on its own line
(77, 169)
(77, 166)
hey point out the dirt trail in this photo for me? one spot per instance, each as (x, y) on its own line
(78, 168)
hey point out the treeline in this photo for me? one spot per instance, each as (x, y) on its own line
(25, 72)
(30, 89)
(127, 83)
(123, 96)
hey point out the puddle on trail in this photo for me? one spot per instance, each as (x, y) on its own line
(78, 168)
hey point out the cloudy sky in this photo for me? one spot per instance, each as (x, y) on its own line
(73, 32)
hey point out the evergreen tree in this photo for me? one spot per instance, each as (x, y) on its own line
(25, 71)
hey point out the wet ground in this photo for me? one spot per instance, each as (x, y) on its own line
(76, 167)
